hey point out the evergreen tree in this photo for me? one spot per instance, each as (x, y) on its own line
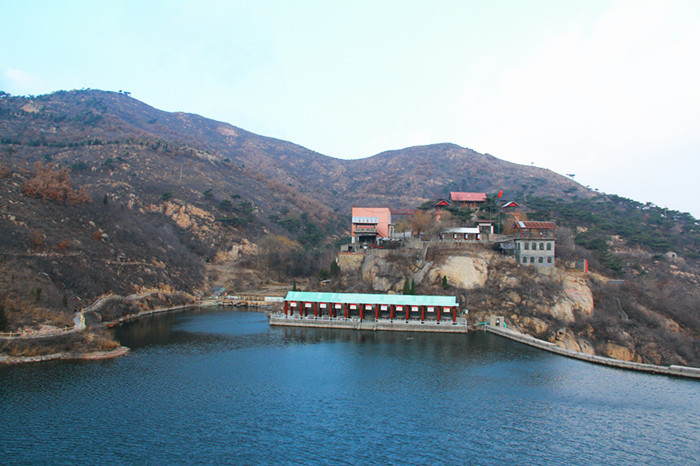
(406, 286)
(294, 285)
(3, 318)
(444, 282)
(335, 269)
(413, 287)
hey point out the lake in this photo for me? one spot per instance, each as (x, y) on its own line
(221, 386)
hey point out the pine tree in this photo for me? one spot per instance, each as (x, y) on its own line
(3, 318)
(406, 286)
(444, 282)
(335, 268)
(413, 287)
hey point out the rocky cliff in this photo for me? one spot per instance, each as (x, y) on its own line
(555, 305)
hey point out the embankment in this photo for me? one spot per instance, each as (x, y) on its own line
(681, 371)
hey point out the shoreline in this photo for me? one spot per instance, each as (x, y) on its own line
(66, 356)
(673, 370)
(130, 317)
(678, 371)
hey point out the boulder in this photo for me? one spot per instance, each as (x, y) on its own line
(379, 273)
(533, 325)
(614, 351)
(462, 272)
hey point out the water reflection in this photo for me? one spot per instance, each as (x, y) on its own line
(224, 387)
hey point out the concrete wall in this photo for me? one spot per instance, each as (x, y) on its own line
(371, 325)
(682, 371)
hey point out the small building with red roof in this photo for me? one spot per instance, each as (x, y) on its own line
(471, 200)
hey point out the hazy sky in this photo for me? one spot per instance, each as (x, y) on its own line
(606, 90)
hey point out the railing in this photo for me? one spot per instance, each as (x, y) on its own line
(443, 322)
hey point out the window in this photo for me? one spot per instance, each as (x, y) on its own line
(540, 259)
(534, 246)
(532, 260)
(527, 246)
(549, 246)
(549, 260)
(524, 260)
(541, 246)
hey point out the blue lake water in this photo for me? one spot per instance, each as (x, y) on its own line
(207, 386)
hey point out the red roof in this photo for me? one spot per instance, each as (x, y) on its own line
(536, 225)
(468, 197)
(511, 204)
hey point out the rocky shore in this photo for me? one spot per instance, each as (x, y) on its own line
(66, 356)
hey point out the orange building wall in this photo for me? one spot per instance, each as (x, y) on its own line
(382, 213)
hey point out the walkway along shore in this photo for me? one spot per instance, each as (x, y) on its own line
(397, 325)
(681, 371)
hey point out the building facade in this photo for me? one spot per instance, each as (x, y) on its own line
(371, 307)
(535, 243)
(481, 232)
(370, 224)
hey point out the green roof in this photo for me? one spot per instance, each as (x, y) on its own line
(368, 298)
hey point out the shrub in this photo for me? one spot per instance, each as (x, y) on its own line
(54, 185)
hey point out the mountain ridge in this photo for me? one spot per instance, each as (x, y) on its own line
(175, 199)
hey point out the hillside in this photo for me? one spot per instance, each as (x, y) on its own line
(104, 194)
(160, 175)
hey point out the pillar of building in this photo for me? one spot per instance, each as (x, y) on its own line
(376, 312)
(439, 313)
(422, 313)
(286, 304)
(345, 310)
(315, 309)
(454, 314)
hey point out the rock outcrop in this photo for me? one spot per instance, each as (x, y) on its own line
(461, 271)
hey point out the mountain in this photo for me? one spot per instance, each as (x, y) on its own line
(103, 194)
(161, 181)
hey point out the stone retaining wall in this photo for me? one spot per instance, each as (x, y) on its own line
(371, 325)
(681, 371)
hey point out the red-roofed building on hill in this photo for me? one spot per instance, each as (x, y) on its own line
(535, 243)
(471, 200)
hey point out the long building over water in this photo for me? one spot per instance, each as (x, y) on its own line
(368, 311)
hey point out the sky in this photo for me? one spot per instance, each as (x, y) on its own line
(605, 90)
